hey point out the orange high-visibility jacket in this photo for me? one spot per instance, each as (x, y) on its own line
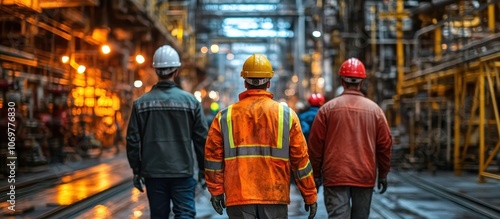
(251, 147)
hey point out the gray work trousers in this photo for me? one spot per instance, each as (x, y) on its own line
(257, 212)
(348, 202)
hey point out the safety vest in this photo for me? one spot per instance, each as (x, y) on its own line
(257, 172)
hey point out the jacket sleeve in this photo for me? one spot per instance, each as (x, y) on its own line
(317, 142)
(300, 164)
(134, 142)
(214, 158)
(199, 134)
(384, 146)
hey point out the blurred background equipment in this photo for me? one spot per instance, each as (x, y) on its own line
(75, 67)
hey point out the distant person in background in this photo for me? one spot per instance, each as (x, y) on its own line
(165, 124)
(209, 116)
(56, 127)
(118, 138)
(349, 144)
(299, 107)
(307, 117)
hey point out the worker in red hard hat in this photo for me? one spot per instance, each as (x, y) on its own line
(315, 101)
(349, 143)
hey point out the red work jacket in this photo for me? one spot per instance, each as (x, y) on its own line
(251, 147)
(349, 140)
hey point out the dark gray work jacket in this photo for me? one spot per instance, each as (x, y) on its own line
(165, 124)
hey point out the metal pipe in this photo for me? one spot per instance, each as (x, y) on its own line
(299, 48)
(429, 6)
(458, 60)
(448, 131)
(19, 60)
(381, 66)
(400, 62)
(491, 18)
(482, 114)
(440, 23)
(437, 43)
(457, 123)
(495, 112)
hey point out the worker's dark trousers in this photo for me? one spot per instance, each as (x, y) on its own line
(344, 202)
(257, 212)
(178, 190)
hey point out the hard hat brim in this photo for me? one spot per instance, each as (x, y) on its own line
(352, 80)
(257, 82)
(248, 74)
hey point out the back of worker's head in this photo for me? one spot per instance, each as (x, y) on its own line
(352, 72)
(166, 61)
(257, 72)
(316, 100)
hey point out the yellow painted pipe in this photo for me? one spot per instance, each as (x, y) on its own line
(482, 114)
(437, 43)
(491, 17)
(468, 23)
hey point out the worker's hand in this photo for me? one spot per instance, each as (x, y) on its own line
(201, 179)
(313, 207)
(382, 182)
(319, 182)
(138, 182)
(218, 203)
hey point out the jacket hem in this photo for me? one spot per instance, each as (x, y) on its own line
(258, 202)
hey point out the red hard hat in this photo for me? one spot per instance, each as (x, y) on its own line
(316, 100)
(352, 68)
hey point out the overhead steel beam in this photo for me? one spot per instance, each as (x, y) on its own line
(15, 52)
(52, 29)
(55, 27)
(28, 6)
(23, 61)
(247, 14)
(47, 4)
(459, 60)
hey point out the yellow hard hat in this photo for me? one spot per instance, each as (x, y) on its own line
(257, 66)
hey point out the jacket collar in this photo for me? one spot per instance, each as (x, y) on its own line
(353, 92)
(165, 84)
(255, 93)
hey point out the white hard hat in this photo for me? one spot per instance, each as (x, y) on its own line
(166, 57)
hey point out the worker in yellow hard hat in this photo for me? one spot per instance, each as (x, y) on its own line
(251, 147)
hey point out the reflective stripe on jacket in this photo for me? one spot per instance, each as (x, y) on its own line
(250, 149)
(165, 125)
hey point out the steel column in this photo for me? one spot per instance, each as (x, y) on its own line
(458, 120)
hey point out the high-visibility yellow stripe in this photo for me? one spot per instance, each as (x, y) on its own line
(280, 127)
(305, 171)
(281, 151)
(230, 126)
(257, 151)
(256, 156)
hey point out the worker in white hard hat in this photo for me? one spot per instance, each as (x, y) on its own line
(165, 124)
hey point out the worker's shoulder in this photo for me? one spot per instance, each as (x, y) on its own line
(360, 102)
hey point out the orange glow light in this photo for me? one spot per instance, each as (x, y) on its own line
(105, 49)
